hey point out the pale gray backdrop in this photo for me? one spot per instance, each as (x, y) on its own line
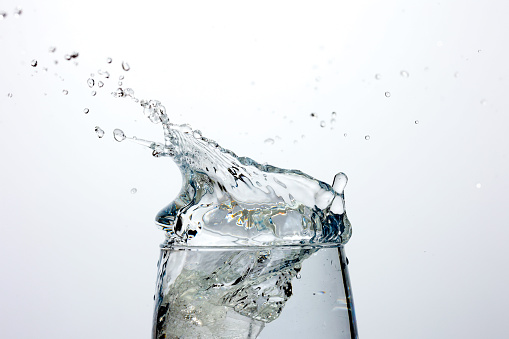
(427, 200)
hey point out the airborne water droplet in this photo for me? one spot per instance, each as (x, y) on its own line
(484, 102)
(133, 190)
(478, 185)
(100, 83)
(33, 63)
(378, 76)
(125, 66)
(98, 130)
(9, 95)
(269, 141)
(367, 137)
(65, 92)
(18, 12)
(109, 60)
(86, 110)
(3, 15)
(52, 49)
(93, 93)
(90, 82)
(404, 74)
(416, 122)
(387, 94)
(118, 134)
(322, 123)
(121, 77)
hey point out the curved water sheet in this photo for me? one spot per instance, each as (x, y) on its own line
(228, 200)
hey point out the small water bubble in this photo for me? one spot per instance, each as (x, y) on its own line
(345, 135)
(120, 83)
(479, 51)
(322, 123)
(269, 141)
(298, 276)
(404, 74)
(65, 92)
(33, 63)
(93, 93)
(9, 95)
(121, 77)
(387, 94)
(416, 122)
(90, 82)
(109, 60)
(3, 15)
(52, 49)
(333, 114)
(118, 134)
(125, 66)
(313, 115)
(478, 185)
(134, 190)
(98, 130)
(18, 12)
(378, 76)
(100, 83)
(367, 137)
(332, 121)
(86, 110)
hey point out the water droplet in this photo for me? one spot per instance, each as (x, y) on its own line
(33, 63)
(387, 94)
(18, 12)
(478, 185)
(269, 141)
(65, 92)
(90, 82)
(105, 74)
(118, 134)
(345, 135)
(125, 66)
(98, 130)
(93, 93)
(120, 83)
(109, 60)
(298, 276)
(333, 114)
(118, 93)
(404, 74)
(52, 49)
(129, 92)
(121, 77)
(134, 190)
(367, 137)
(9, 95)
(478, 51)
(378, 76)
(3, 15)
(416, 122)
(313, 115)
(100, 83)
(456, 74)
(322, 123)
(484, 102)
(332, 121)
(86, 110)
(339, 182)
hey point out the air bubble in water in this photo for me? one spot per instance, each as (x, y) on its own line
(86, 110)
(133, 190)
(378, 76)
(367, 137)
(269, 141)
(33, 63)
(109, 60)
(90, 82)
(404, 74)
(125, 66)
(322, 123)
(118, 134)
(3, 15)
(100, 83)
(65, 92)
(387, 94)
(93, 93)
(18, 12)
(98, 130)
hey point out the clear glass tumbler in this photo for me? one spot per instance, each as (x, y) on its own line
(253, 292)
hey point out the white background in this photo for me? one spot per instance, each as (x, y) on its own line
(427, 201)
